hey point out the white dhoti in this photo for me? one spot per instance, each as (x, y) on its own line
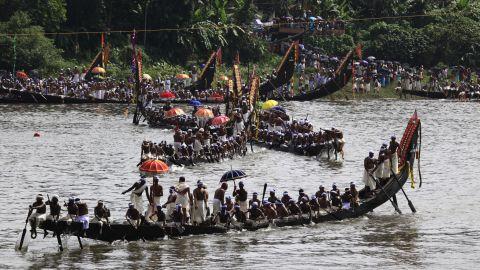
(217, 205)
(150, 211)
(395, 163)
(85, 220)
(386, 169)
(246, 115)
(36, 218)
(184, 202)
(197, 146)
(243, 206)
(199, 212)
(368, 180)
(137, 201)
(379, 171)
(170, 208)
(156, 200)
(239, 126)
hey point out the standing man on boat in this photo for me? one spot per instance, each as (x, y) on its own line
(369, 165)
(184, 198)
(393, 147)
(219, 198)
(156, 191)
(170, 204)
(242, 195)
(200, 195)
(137, 191)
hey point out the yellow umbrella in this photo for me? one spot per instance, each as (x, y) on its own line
(269, 104)
(147, 77)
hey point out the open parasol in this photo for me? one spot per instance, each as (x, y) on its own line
(233, 175)
(153, 166)
(269, 104)
(167, 94)
(98, 70)
(220, 120)
(22, 75)
(174, 112)
(147, 77)
(182, 76)
(204, 113)
(194, 102)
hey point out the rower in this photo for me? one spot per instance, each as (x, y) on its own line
(229, 203)
(39, 215)
(286, 198)
(223, 216)
(393, 147)
(304, 205)
(323, 201)
(335, 197)
(239, 215)
(346, 199)
(55, 209)
(282, 211)
(133, 216)
(320, 191)
(272, 198)
(184, 198)
(219, 197)
(255, 213)
(254, 199)
(242, 195)
(170, 204)
(302, 194)
(101, 213)
(82, 213)
(158, 215)
(156, 191)
(200, 196)
(355, 200)
(178, 139)
(293, 208)
(268, 210)
(314, 205)
(369, 165)
(137, 191)
(72, 210)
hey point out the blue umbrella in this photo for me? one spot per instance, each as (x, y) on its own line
(233, 175)
(279, 109)
(194, 102)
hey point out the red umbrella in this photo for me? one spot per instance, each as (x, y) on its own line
(154, 166)
(174, 112)
(220, 120)
(204, 113)
(22, 75)
(167, 94)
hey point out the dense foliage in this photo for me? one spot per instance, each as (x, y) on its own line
(451, 36)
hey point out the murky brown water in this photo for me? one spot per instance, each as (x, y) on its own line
(90, 151)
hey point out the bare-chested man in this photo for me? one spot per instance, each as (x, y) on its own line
(219, 198)
(200, 196)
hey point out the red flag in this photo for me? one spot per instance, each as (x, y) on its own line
(358, 51)
(219, 56)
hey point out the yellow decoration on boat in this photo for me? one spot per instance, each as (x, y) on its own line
(412, 180)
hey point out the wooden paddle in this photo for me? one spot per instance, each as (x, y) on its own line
(264, 190)
(384, 192)
(410, 204)
(24, 232)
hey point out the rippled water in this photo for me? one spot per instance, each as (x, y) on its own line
(90, 151)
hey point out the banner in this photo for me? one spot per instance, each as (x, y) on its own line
(238, 82)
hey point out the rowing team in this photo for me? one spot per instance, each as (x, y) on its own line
(186, 206)
(77, 210)
(381, 167)
(202, 144)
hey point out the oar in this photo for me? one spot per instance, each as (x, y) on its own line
(264, 190)
(24, 232)
(410, 204)
(136, 230)
(384, 192)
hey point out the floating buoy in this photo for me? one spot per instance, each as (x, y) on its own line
(36, 134)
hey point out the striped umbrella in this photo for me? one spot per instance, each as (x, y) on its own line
(204, 113)
(233, 175)
(153, 167)
(174, 112)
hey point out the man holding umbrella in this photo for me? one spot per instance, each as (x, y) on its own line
(242, 196)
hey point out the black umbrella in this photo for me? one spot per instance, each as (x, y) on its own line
(233, 175)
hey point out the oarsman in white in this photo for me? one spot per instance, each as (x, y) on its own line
(380, 162)
(386, 162)
(136, 197)
(39, 215)
(369, 165)
(200, 196)
(393, 147)
(184, 198)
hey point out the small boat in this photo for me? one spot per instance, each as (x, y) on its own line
(407, 152)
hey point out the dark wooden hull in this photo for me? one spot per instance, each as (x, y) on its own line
(313, 151)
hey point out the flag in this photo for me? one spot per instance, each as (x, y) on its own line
(219, 56)
(358, 51)
(133, 39)
(102, 40)
(139, 65)
(297, 51)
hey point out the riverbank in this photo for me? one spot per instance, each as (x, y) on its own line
(346, 93)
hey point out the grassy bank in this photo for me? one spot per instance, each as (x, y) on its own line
(347, 94)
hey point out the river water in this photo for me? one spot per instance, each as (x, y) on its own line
(90, 151)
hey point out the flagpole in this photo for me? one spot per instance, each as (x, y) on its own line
(14, 53)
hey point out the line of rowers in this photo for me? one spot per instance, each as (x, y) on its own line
(188, 146)
(187, 206)
(276, 132)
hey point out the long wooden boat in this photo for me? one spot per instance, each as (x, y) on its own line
(407, 153)
(445, 94)
(286, 70)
